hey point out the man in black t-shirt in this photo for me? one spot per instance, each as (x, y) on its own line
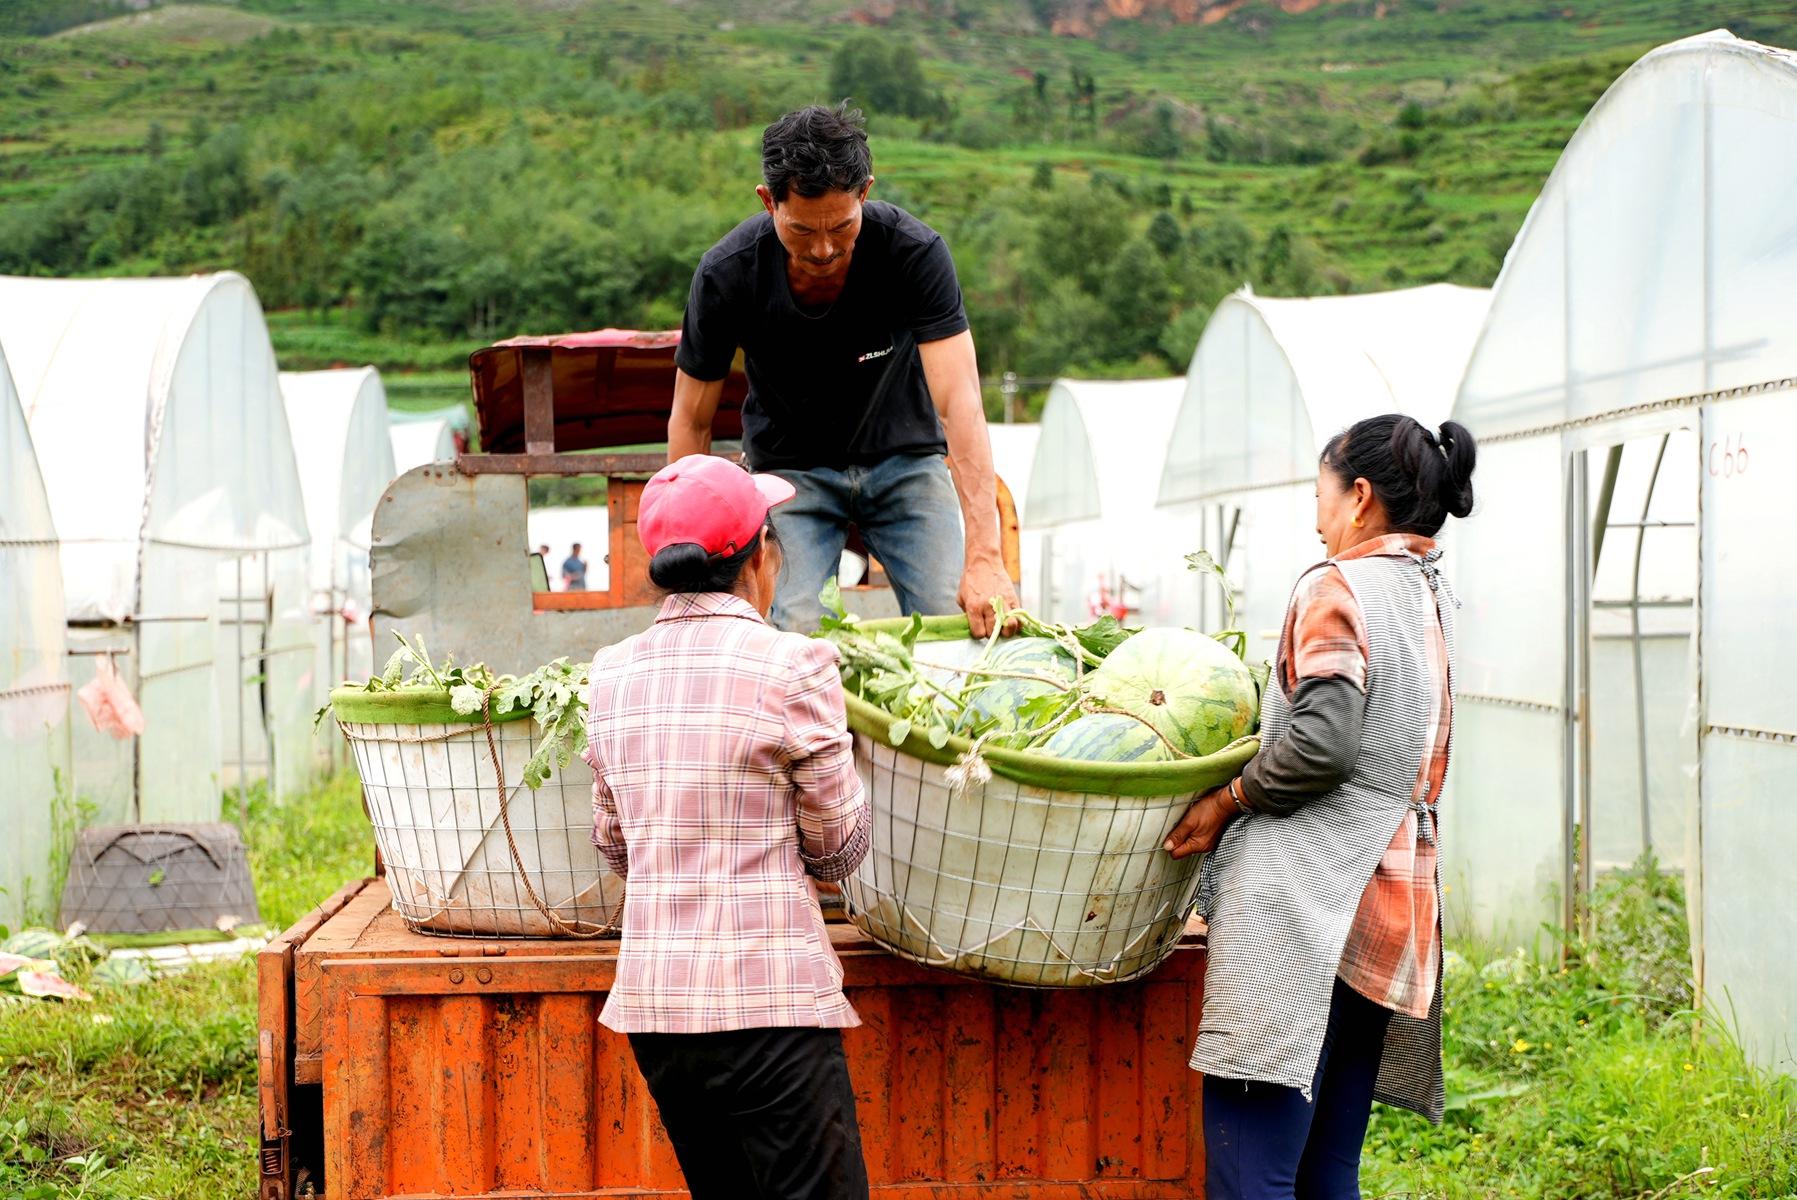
(862, 377)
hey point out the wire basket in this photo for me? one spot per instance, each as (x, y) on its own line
(455, 863)
(1013, 883)
(1023, 868)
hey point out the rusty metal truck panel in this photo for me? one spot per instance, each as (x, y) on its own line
(462, 1067)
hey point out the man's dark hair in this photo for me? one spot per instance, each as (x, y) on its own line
(816, 150)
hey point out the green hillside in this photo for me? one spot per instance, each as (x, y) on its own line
(402, 181)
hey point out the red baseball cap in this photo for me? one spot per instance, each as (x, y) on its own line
(708, 501)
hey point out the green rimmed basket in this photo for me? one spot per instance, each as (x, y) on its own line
(1037, 872)
(458, 859)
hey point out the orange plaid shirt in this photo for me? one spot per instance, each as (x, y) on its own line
(1394, 945)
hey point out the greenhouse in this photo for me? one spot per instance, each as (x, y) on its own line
(34, 689)
(420, 438)
(1270, 382)
(1635, 393)
(345, 460)
(166, 457)
(1091, 497)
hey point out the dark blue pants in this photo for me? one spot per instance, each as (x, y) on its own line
(908, 515)
(1264, 1142)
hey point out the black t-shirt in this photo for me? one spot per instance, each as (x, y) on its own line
(837, 387)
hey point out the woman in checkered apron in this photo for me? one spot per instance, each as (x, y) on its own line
(1323, 990)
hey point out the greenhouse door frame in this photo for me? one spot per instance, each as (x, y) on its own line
(1584, 535)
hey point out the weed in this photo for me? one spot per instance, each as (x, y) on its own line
(151, 1090)
(1592, 1079)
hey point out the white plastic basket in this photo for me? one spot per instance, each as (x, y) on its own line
(1018, 884)
(431, 795)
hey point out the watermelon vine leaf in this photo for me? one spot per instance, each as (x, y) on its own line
(1202, 562)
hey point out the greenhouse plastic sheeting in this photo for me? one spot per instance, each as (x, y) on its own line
(34, 689)
(1013, 458)
(1270, 382)
(345, 458)
(165, 387)
(417, 442)
(1091, 494)
(1647, 296)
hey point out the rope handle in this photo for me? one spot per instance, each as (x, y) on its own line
(573, 929)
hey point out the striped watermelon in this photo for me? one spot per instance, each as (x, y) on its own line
(1187, 685)
(1108, 737)
(33, 943)
(998, 701)
(950, 662)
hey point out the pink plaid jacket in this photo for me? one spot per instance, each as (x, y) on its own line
(722, 778)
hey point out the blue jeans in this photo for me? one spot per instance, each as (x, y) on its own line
(1263, 1142)
(908, 514)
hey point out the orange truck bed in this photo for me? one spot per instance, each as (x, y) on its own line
(395, 1064)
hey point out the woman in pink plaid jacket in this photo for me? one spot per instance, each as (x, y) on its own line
(723, 785)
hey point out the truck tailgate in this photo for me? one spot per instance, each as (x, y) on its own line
(470, 1067)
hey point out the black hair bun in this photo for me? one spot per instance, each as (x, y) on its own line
(1460, 454)
(681, 567)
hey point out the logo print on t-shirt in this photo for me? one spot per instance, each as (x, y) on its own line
(873, 354)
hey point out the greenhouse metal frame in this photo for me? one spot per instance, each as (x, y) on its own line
(168, 463)
(34, 688)
(1637, 379)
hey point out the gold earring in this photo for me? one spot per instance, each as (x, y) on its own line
(1357, 522)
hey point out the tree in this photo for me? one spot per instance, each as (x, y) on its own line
(1137, 297)
(1078, 233)
(885, 76)
(1164, 234)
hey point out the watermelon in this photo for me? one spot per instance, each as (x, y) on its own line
(950, 661)
(1187, 685)
(1108, 737)
(998, 701)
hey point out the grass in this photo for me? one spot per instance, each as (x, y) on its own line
(1592, 1081)
(150, 1091)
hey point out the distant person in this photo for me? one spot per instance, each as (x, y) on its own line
(862, 376)
(542, 557)
(724, 783)
(1322, 991)
(574, 571)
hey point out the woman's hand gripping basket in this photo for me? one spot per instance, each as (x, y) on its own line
(1018, 866)
(482, 830)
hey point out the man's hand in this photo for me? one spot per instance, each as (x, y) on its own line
(1199, 831)
(981, 583)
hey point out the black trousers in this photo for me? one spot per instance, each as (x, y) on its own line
(757, 1114)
